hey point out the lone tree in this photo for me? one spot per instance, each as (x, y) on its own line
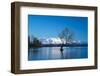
(66, 37)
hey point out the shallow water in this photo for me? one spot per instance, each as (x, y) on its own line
(52, 53)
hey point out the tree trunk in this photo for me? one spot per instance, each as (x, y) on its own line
(61, 49)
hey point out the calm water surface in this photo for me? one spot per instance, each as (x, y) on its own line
(49, 53)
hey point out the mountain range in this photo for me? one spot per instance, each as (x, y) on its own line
(54, 40)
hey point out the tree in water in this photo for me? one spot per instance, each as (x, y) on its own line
(66, 37)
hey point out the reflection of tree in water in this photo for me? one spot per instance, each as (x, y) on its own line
(34, 50)
(62, 55)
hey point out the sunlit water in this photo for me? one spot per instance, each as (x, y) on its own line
(52, 53)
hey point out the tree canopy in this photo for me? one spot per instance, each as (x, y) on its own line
(66, 34)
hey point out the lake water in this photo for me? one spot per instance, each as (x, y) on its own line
(52, 53)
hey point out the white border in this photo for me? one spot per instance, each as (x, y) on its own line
(25, 64)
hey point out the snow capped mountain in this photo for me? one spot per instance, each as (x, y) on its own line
(55, 40)
(52, 41)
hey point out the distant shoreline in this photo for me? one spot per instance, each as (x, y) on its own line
(59, 45)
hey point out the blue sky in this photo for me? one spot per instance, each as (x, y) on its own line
(46, 26)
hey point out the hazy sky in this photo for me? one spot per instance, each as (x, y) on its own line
(42, 26)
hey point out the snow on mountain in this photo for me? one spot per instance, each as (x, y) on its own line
(52, 41)
(55, 40)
